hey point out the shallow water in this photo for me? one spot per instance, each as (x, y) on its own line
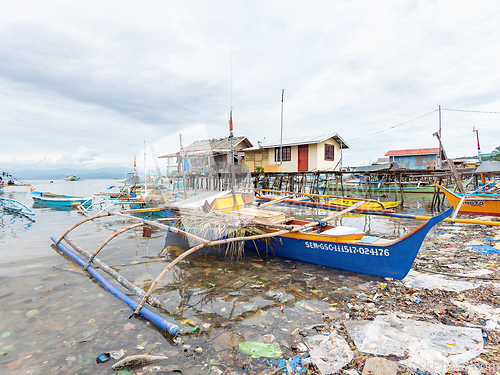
(56, 320)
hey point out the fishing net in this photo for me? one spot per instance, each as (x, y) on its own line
(213, 225)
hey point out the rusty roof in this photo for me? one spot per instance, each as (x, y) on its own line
(213, 146)
(417, 151)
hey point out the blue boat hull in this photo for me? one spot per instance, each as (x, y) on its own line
(394, 260)
(55, 200)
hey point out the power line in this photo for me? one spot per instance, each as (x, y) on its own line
(394, 126)
(466, 110)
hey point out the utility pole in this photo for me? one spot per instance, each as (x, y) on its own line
(183, 167)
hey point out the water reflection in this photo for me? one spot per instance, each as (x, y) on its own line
(48, 207)
(12, 223)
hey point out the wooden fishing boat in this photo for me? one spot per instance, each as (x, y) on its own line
(346, 202)
(301, 202)
(59, 200)
(328, 246)
(331, 199)
(473, 204)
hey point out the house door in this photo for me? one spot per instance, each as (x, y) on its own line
(303, 157)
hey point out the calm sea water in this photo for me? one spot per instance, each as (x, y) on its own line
(54, 319)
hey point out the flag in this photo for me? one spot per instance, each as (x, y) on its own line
(231, 119)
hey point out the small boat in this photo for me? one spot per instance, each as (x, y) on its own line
(332, 199)
(60, 200)
(71, 177)
(370, 207)
(474, 203)
(348, 249)
(346, 202)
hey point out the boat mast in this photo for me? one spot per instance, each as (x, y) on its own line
(440, 160)
(231, 135)
(145, 178)
(183, 167)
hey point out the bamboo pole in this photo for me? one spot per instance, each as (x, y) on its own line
(319, 195)
(106, 241)
(80, 223)
(294, 228)
(334, 206)
(161, 226)
(459, 206)
(277, 200)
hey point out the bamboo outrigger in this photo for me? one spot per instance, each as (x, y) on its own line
(350, 251)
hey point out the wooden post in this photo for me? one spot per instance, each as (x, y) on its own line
(401, 190)
(452, 167)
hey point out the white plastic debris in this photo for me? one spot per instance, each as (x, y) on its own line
(418, 280)
(476, 273)
(329, 353)
(489, 313)
(430, 347)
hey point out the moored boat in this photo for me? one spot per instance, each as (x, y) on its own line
(60, 200)
(369, 205)
(328, 246)
(474, 204)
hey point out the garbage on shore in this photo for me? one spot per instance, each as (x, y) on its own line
(434, 347)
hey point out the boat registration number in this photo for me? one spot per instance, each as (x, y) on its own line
(348, 249)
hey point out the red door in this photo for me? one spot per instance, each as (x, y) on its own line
(303, 157)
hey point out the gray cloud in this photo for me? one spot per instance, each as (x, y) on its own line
(87, 83)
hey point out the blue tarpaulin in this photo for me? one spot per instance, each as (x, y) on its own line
(295, 364)
(485, 249)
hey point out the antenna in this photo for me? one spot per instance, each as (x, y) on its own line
(231, 135)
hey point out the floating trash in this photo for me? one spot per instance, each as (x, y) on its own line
(260, 349)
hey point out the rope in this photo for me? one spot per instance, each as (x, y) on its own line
(321, 224)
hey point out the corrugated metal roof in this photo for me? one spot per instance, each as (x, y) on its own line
(214, 145)
(217, 144)
(417, 151)
(374, 167)
(488, 167)
(304, 140)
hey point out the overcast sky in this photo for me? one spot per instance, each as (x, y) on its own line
(85, 84)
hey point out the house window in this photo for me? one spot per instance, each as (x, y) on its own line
(287, 153)
(329, 152)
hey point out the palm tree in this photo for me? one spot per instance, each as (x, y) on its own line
(496, 157)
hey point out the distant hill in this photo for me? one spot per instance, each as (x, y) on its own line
(56, 174)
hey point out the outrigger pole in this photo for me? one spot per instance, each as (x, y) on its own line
(146, 313)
